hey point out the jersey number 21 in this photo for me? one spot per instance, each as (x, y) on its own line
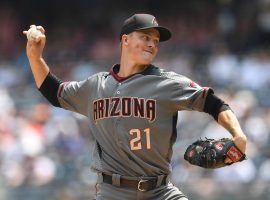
(135, 143)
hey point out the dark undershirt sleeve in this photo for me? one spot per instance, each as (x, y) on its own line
(214, 105)
(49, 89)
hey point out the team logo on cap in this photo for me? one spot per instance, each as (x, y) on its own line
(154, 21)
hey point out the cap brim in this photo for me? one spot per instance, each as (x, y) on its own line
(164, 33)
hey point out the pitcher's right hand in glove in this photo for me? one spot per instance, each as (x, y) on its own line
(210, 153)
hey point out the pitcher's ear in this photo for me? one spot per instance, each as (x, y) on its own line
(125, 39)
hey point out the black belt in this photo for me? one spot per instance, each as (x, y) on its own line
(141, 185)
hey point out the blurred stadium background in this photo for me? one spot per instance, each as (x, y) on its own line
(45, 153)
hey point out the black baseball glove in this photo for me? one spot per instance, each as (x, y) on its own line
(210, 153)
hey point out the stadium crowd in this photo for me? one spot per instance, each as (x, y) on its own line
(45, 152)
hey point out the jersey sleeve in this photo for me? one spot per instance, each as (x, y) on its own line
(75, 96)
(188, 95)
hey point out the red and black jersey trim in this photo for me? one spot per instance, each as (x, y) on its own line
(150, 70)
(61, 88)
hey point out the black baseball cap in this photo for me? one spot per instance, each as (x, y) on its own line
(144, 21)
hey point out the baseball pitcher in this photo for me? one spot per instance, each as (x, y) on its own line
(132, 111)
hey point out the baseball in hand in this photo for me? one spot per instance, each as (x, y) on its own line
(33, 33)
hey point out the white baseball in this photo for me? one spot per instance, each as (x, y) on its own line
(33, 33)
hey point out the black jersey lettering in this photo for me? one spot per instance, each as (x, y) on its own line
(115, 107)
(151, 110)
(138, 107)
(125, 107)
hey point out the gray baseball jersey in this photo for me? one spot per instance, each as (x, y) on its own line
(133, 119)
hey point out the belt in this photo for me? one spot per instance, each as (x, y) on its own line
(142, 184)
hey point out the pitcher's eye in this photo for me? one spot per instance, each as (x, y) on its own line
(156, 42)
(145, 37)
